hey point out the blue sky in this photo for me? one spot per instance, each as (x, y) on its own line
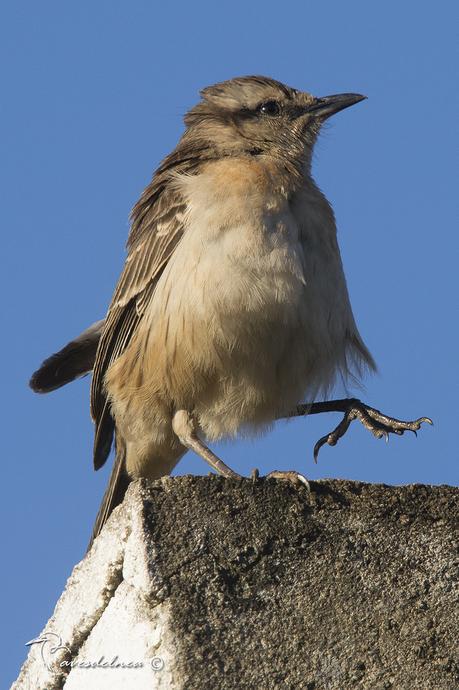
(93, 98)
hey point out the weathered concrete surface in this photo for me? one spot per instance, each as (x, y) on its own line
(265, 585)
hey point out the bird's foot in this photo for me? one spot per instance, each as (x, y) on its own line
(289, 475)
(379, 424)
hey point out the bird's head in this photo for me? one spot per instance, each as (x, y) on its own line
(260, 116)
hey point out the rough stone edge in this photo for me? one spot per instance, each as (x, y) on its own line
(115, 556)
(87, 592)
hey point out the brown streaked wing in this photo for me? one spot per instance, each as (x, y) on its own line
(144, 265)
(152, 251)
(157, 227)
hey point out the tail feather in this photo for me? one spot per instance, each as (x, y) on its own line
(116, 490)
(120, 480)
(105, 430)
(74, 360)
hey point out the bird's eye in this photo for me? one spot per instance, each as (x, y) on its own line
(271, 108)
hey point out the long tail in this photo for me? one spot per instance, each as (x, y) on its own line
(115, 492)
(74, 360)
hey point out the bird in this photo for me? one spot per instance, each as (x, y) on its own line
(232, 309)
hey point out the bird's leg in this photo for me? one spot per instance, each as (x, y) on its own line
(184, 428)
(379, 424)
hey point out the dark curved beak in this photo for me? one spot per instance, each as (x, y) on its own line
(329, 105)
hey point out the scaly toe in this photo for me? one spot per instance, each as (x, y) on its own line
(291, 476)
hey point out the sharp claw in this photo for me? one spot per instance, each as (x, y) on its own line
(303, 479)
(315, 452)
(321, 442)
(427, 420)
